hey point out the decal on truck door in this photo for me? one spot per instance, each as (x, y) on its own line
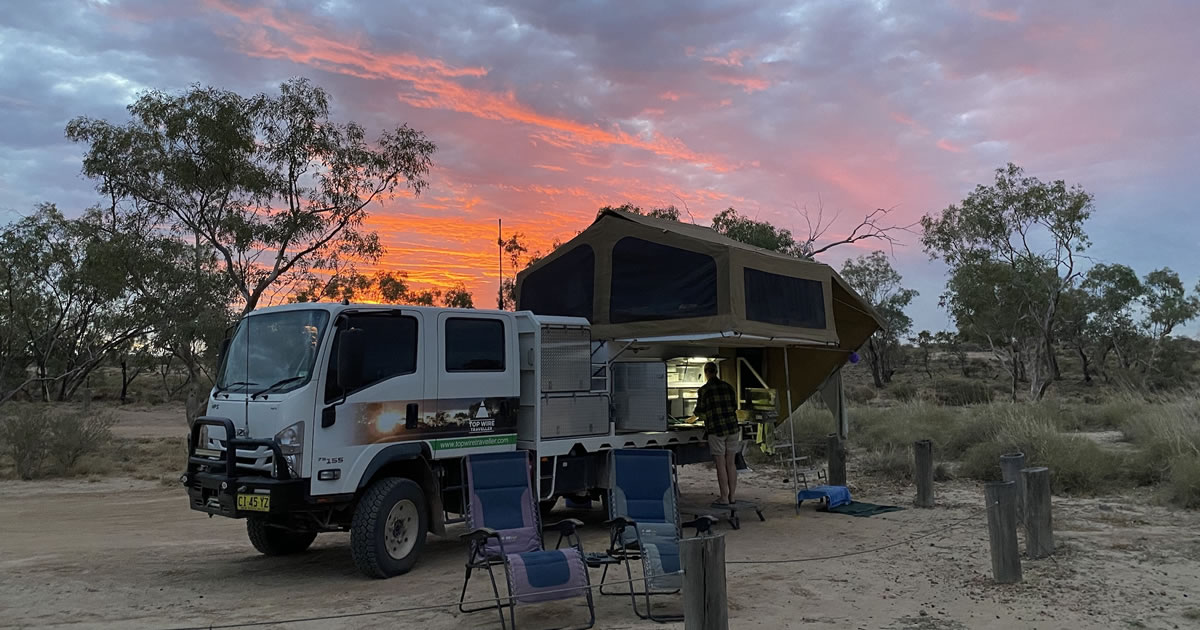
(396, 421)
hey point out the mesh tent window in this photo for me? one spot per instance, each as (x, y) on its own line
(565, 287)
(783, 300)
(652, 281)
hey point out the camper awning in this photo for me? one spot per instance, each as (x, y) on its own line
(640, 278)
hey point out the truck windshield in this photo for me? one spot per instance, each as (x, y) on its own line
(273, 352)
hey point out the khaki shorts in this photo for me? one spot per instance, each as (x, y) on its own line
(719, 445)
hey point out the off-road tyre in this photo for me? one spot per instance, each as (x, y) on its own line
(368, 540)
(276, 541)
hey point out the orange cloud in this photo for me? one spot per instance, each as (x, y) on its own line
(669, 96)
(549, 167)
(999, 16)
(748, 84)
(434, 84)
(732, 59)
(946, 145)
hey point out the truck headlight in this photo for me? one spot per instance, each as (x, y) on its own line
(291, 439)
(291, 442)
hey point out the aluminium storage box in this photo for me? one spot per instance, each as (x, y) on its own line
(640, 395)
(566, 356)
(569, 415)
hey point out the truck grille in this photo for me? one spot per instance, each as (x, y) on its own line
(259, 460)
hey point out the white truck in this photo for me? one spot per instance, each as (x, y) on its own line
(342, 417)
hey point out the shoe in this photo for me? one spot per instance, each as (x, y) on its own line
(720, 505)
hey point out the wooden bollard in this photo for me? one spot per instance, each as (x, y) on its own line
(1002, 531)
(923, 470)
(837, 460)
(1039, 530)
(705, 599)
(1010, 470)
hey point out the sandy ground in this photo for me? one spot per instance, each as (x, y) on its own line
(119, 553)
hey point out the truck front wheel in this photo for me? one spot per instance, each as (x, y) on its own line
(270, 540)
(388, 528)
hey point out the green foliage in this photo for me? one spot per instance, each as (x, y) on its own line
(879, 283)
(1012, 248)
(904, 392)
(757, 233)
(860, 393)
(892, 462)
(72, 435)
(24, 439)
(269, 182)
(957, 392)
(1183, 483)
(670, 213)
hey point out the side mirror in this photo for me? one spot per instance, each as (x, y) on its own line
(351, 346)
(223, 350)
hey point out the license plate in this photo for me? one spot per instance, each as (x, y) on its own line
(254, 502)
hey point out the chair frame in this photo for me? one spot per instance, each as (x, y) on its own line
(478, 558)
(624, 554)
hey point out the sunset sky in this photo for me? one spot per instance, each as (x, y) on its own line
(547, 109)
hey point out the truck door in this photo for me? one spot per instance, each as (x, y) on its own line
(383, 402)
(478, 382)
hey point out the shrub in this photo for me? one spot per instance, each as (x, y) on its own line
(24, 439)
(73, 434)
(860, 393)
(1183, 484)
(904, 392)
(961, 392)
(892, 463)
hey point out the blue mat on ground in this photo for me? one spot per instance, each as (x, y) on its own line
(857, 508)
(833, 495)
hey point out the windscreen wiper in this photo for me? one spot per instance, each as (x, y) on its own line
(226, 388)
(268, 388)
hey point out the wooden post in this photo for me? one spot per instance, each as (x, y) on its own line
(1010, 470)
(1002, 530)
(837, 460)
(705, 600)
(923, 461)
(1039, 532)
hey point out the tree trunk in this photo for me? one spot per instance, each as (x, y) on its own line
(876, 369)
(1052, 360)
(1083, 358)
(1016, 371)
(124, 380)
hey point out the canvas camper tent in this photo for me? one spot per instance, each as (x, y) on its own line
(670, 289)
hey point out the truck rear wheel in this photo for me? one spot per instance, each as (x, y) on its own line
(387, 532)
(270, 540)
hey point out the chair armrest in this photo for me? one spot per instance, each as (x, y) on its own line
(480, 534)
(565, 526)
(621, 521)
(702, 524)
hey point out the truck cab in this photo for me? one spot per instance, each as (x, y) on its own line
(336, 417)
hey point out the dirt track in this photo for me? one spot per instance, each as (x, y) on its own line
(129, 554)
(121, 553)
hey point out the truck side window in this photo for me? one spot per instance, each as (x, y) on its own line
(391, 349)
(474, 345)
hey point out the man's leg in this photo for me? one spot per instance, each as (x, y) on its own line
(717, 448)
(722, 478)
(731, 473)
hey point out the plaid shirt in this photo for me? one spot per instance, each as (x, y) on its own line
(717, 406)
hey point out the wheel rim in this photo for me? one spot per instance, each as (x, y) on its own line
(400, 531)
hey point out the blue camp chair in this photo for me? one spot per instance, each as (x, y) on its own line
(506, 531)
(643, 515)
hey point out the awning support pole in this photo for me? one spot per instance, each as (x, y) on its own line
(787, 376)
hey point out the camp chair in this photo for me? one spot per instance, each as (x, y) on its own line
(506, 531)
(644, 520)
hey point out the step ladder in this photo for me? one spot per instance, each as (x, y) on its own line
(799, 467)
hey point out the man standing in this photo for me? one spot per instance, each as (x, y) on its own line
(717, 407)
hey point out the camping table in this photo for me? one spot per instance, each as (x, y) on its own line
(725, 513)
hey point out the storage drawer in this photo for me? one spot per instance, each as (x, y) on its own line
(572, 416)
